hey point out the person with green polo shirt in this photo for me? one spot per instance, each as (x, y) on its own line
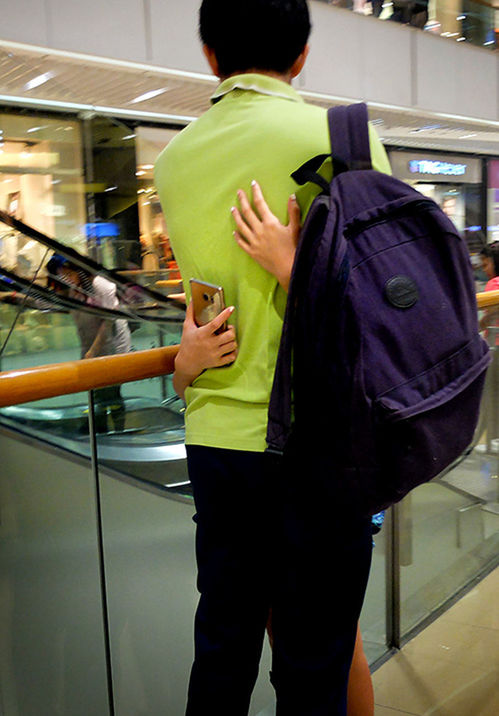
(259, 531)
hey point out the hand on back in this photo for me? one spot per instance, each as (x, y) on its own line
(262, 236)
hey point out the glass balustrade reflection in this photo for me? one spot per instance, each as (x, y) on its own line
(67, 307)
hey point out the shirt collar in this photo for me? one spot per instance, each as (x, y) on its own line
(263, 84)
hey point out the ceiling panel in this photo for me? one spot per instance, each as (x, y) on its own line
(95, 83)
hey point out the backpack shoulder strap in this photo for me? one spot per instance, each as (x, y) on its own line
(349, 135)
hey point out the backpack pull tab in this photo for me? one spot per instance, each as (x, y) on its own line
(401, 291)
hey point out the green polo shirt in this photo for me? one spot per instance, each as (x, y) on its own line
(257, 128)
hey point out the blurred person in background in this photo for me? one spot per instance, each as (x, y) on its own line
(98, 336)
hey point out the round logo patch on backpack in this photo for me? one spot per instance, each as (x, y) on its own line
(401, 291)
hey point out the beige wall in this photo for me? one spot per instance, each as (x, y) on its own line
(352, 56)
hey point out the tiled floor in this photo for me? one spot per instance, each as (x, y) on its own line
(452, 667)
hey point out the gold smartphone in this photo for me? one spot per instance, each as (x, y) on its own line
(208, 301)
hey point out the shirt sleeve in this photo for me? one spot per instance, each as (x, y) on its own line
(104, 293)
(493, 284)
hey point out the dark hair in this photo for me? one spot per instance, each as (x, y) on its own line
(57, 262)
(254, 34)
(491, 251)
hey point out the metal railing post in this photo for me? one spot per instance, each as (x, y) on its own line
(393, 636)
(100, 548)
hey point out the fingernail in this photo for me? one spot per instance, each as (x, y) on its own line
(232, 308)
(232, 208)
(293, 197)
(253, 183)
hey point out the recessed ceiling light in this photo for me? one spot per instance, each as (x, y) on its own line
(148, 95)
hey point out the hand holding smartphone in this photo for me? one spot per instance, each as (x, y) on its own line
(208, 301)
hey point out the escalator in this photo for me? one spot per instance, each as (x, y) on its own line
(37, 325)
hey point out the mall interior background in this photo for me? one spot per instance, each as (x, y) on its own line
(83, 115)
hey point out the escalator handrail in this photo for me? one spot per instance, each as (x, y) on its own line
(486, 299)
(78, 259)
(49, 381)
(134, 313)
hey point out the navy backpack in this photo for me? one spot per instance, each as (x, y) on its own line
(381, 366)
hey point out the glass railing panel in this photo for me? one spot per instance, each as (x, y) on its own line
(65, 306)
(61, 421)
(70, 312)
(140, 432)
(449, 528)
(473, 21)
(447, 540)
(36, 336)
(52, 658)
(152, 597)
(150, 575)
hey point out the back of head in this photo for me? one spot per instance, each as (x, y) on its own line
(246, 35)
(491, 251)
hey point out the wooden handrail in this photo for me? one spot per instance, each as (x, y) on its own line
(168, 282)
(485, 299)
(48, 381)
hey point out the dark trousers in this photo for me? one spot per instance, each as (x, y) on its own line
(267, 539)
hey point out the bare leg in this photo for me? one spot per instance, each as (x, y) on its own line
(360, 688)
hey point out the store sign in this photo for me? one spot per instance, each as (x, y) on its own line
(436, 168)
(416, 167)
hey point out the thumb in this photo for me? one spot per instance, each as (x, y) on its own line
(189, 314)
(294, 214)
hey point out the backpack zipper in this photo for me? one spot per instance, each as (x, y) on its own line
(357, 226)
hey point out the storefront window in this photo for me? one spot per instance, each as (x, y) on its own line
(493, 201)
(41, 183)
(156, 250)
(454, 182)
